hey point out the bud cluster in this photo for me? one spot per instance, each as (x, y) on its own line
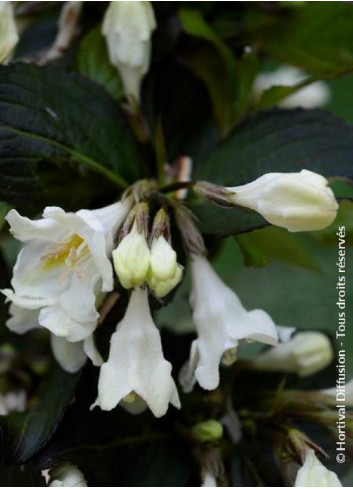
(147, 258)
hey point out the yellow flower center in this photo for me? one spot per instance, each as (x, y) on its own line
(67, 253)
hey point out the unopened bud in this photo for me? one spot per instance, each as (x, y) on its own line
(207, 431)
(132, 259)
(305, 354)
(165, 273)
(296, 201)
(128, 27)
(66, 475)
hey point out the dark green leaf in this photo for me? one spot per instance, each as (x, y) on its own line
(93, 62)
(179, 101)
(213, 62)
(273, 141)
(316, 37)
(48, 114)
(23, 434)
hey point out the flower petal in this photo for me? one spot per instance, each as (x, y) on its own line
(59, 323)
(70, 356)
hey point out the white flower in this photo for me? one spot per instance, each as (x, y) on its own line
(314, 95)
(165, 273)
(314, 474)
(136, 363)
(70, 356)
(296, 201)
(306, 353)
(348, 393)
(128, 27)
(63, 268)
(221, 322)
(9, 37)
(132, 259)
(11, 402)
(66, 475)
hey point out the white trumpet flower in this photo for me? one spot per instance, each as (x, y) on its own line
(165, 273)
(132, 259)
(306, 353)
(295, 201)
(9, 37)
(314, 474)
(136, 363)
(66, 475)
(63, 269)
(313, 95)
(128, 27)
(221, 322)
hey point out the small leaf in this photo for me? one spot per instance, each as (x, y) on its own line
(93, 62)
(273, 141)
(23, 434)
(48, 114)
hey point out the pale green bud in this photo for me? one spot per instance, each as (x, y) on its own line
(165, 273)
(132, 259)
(207, 431)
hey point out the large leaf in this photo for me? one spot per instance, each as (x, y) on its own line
(273, 141)
(317, 37)
(46, 114)
(23, 434)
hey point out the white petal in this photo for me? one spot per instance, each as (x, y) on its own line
(28, 302)
(86, 225)
(22, 320)
(79, 299)
(70, 356)
(31, 276)
(89, 347)
(221, 322)
(136, 362)
(314, 474)
(25, 229)
(285, 333)
(59, 323)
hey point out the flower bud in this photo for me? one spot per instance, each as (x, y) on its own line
(296, 201)
(305, 354)
(165, 273)
(128, 27)
(66, 475)
(314, 474)
(9, 36)
(207, 431)
(132, 259)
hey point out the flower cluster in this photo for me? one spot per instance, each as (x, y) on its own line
(65, 270)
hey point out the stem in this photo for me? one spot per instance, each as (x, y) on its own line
(176, 186)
